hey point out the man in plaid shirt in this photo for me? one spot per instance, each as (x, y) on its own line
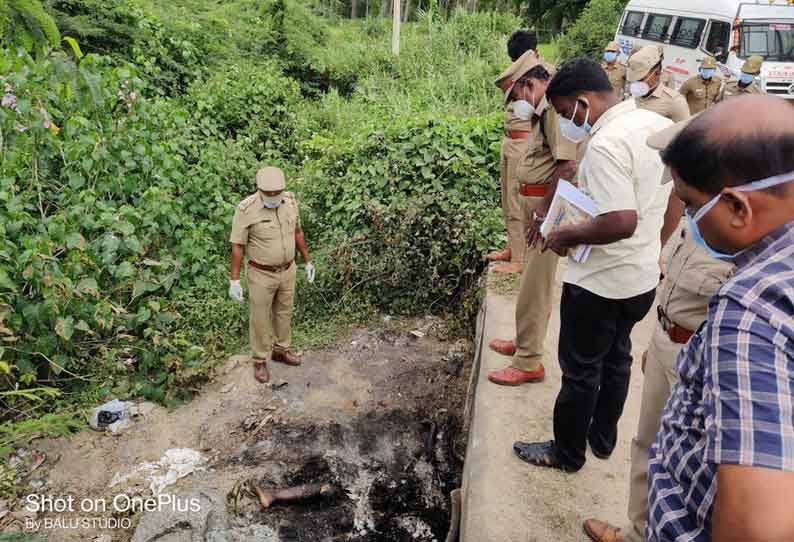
(722, 467)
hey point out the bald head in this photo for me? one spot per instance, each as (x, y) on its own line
(740, 140)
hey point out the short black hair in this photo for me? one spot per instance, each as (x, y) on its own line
(539, 72)
(520, 42)
(577, 76)
(709, 164)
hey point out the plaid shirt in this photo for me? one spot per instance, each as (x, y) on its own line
(734, 402)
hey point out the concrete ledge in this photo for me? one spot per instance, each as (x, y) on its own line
(506, 500)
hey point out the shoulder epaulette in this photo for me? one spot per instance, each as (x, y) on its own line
(247, 202)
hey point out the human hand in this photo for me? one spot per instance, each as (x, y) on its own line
(236, 291)
(533, 235)
(559, 242)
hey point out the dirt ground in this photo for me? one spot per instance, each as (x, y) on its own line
(377, 417)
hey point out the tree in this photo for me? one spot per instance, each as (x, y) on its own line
(26, 24)
(593, 30)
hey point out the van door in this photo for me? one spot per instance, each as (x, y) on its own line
(683, 53)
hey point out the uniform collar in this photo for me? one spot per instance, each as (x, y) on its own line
(543, 105)
(613, 112)
(657, 92)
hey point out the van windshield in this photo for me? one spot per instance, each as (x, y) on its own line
(773, 41)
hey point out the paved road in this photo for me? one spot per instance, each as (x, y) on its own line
(509, 501)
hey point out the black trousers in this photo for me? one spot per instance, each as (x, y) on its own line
(595, 358)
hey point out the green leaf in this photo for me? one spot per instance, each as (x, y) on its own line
(83, 326)
(88, 286)
(75, 240)
(142, 287)
(124, 270)
(64, 327)
(74, 45)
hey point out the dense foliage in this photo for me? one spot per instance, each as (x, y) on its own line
(121, 169)
(592, 30)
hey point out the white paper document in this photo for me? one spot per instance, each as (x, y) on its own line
(569, 206)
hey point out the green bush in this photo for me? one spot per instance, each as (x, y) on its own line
(253, 102)
(106, 225)
(591, 32)
(410, 210)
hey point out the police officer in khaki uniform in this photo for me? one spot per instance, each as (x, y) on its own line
(266, 229)
(615, 71)
(692, 278)
(746, 83)
(703, 90)
(645, 77)
(515, 145)
(550, 157)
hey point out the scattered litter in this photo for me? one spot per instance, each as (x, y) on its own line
(115, 415)
(176, 463)
(103, 538)
(25, 461)
(228, 387)
(3, 508)
(418, 334)
(278, 384)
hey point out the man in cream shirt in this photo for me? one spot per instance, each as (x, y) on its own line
(614, 288)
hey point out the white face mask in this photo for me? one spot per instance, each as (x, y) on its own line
(524, 109)
(573, 131)
(639, 89)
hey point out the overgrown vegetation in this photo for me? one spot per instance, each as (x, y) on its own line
(121, 169)
(126, 145)
(592, 30)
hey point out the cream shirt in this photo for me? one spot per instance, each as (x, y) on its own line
(622, 173)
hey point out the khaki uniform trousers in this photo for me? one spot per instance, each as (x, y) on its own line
(512, 152)
(533, 307)
(660, 377)
(272, 297)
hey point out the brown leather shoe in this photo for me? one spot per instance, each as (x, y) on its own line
(515, 267)
(500, 255)
(601, 531)
(510, 376)
(261, 373)
(501, 346)
(286, 357)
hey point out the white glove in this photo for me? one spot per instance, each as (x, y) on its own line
(310, 272)
(236, 291)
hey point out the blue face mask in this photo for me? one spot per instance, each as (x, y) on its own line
(747, 78)
(707, 73)
(750, 187)
(272, 204)
(610, 56)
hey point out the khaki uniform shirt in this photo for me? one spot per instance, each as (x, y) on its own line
(268, 234)
(667, 102)
(692, 277)
(547, 146)
(620, 172)
(700, 94)
(513, 123)
(617, 76)
(733, 89)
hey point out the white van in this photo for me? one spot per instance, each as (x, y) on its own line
(730, 30)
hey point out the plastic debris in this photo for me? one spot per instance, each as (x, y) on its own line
(176, 463)
(115, 415)
(25, 461)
